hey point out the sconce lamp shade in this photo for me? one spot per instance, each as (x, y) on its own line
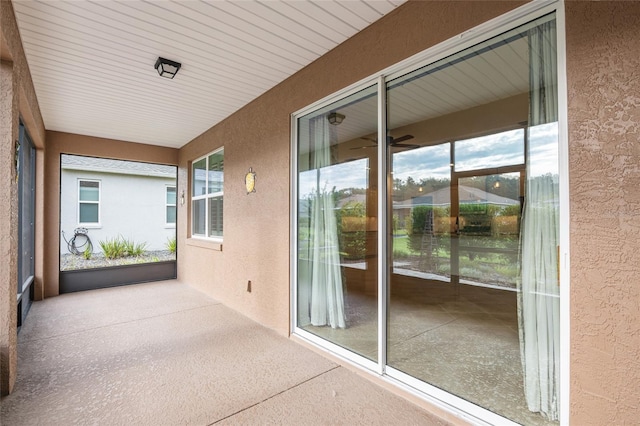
(335, 118)
(167, 68)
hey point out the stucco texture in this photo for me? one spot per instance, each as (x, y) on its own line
(256, 243)
(17, 99)
(8, 228)
(603, 70)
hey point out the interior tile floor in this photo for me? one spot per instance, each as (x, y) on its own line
(462, 339)
(165, 354)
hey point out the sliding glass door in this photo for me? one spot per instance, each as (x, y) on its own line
(470, 296)
(337, 293)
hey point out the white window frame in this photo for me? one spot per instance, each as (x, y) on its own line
(99, 202)
(174, 205)
(445, 400)
(207, 196)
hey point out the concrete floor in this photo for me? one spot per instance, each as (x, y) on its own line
(165, 354)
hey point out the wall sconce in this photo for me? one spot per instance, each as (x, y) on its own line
(335, 118)
(167, 68)
(182, 198)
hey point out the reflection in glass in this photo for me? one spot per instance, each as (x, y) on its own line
(199, 177)
(216, 172)
(474, 225)
(489, 229)
(337, 224)
(495, 150)
(421, 194)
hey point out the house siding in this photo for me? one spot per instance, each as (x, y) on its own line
(131, 206)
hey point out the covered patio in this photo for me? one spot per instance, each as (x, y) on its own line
(164, 353)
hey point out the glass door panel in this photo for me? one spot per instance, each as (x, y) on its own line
(471, 145)
(337, 285)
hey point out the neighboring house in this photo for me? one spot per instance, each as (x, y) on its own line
(112, 198)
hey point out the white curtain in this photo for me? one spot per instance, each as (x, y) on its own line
(320, 287)
(538, 301)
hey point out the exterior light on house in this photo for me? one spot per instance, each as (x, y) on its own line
(335, 118)
(167, 68)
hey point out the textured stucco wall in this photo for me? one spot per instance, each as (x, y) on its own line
(603, 70)
(67, 143)
(17, 99)
(8, 227)
(256, 228)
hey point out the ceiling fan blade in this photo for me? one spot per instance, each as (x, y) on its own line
(394, 141)
(370, 139)
(405, 145)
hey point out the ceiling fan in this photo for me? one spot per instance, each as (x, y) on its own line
(391, 141)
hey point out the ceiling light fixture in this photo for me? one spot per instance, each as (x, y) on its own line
(167, 68)
(335, 118)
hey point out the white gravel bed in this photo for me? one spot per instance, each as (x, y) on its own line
(69, 262)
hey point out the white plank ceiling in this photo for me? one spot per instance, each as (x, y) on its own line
(92, 61)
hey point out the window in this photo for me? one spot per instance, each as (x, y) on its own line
(88, 202)
(170, 200)
(207, 177)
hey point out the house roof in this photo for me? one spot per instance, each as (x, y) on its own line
(467, 195)
(105, 165)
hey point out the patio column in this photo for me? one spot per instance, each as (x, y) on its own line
(9, 119)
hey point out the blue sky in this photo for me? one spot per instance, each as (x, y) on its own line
(434, 161)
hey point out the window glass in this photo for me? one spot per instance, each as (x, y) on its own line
(171, 195)
(495, 150)
(216, 172)
(171, 204)
(88, 202)
(215, 217)
(88, 213)
(337, 223)
(199, 217)
(207, 197)
(89, 191)
(200, 177)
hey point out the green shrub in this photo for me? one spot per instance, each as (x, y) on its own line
(113, 248)
(352, 222)
(117, 247)
(87, 253)
(133, 249)
(419, 216)
(172, 245)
